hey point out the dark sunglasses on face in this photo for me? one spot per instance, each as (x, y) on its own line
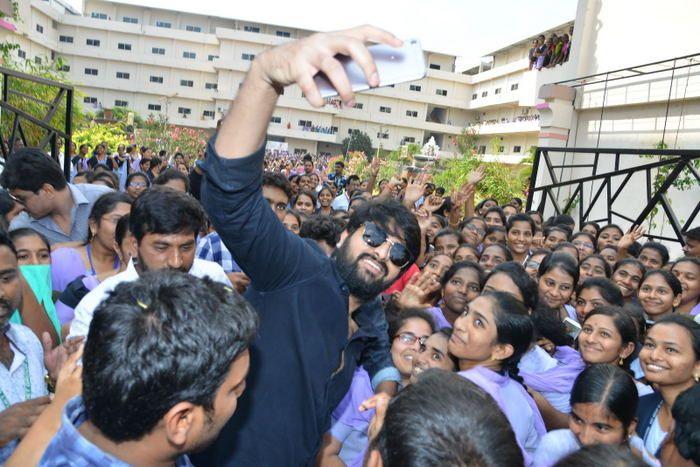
(375, 237)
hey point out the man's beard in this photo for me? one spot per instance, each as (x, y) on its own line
(364, 289)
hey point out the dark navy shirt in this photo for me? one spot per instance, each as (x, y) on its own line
(302, 361)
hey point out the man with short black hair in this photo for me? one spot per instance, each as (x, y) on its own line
(320, 317)
(692, 242)
(337, 177)
(165, 224)
(53, 207)
(173, 179)
(342, 201)
(163, 368)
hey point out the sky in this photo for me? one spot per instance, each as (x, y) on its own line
(469, 29)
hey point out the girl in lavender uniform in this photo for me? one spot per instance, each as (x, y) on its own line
(488, 341)
(460, 285)
(604, 403)
(557, 278)
(347, 439)
(687, 271)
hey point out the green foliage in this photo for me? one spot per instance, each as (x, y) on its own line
(467, 141)
(113, 134)
(500, 182)
(45, 69)
(158, 133)
(15, 11)
(685, 181)
(358, 141)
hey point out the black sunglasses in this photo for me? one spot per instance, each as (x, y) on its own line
(375, 237)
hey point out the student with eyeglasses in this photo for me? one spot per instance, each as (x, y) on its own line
(320, 317)
(347, 439)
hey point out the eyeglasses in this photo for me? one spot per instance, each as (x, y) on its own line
(578, 243)
(138, 184)
(409, 338)
(532, 265)
(376, 237)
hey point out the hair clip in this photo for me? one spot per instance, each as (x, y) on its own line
(141, 304)
(228, 289)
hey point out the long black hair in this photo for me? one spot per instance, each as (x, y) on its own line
(562, 261)
(524, 283)
(610, 386)
(513, 327)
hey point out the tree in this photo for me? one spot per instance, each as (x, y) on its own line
(42, 93)
(358, 141)
(113, 134)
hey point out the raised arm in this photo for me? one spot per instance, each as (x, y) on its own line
(232, 192)
(243, 131)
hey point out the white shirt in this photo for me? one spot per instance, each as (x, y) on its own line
(87, 306)
(341, 202)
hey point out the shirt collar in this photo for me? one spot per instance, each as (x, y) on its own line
(78, 196)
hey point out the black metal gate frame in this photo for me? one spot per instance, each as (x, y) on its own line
(680, 159)
(63, 91)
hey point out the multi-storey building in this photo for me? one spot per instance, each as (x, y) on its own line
(190, 67)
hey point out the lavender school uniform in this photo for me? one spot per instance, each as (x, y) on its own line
(517, 405)
(349, 425)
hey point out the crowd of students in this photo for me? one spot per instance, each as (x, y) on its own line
(245, 314)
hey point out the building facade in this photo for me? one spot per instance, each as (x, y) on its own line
(190, 67)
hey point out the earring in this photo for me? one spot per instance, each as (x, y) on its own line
(696, 378)
(622, 361)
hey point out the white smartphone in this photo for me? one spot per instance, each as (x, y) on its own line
(394, 65)
(573, 329)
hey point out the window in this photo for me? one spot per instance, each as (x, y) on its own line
(409, 139)
(37, 60)
(414, 87)
(21, 53)
(501, 148)
(91, 71)
(411, 113)
(514, 87)
(90, 100)
(65, 68)
(251, 29)
(381, 135)
(358, 105)
(154, 107)
(187, 83)
(484, 94)
(121, 103)
(54, 24)
(433, 66)
(98, 15)
(211, 58)
(40, 29)
(304, 123)
(93, 42)
(386, 110)
(208, 114)
(67, 39)
(245, 56)
(334, 129)
(351, 131)
(283, 34)
(474, 96)
(276, 119)
(123, 46)
(190, 55)
(441, 92)
(213, 86)
(193, 28)
(122, 75)
(482, 150)
(497, 91)
(158, 51)
(164, 24)
(128, 19)
(184, 110)
(516, 148)
(157, 79)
